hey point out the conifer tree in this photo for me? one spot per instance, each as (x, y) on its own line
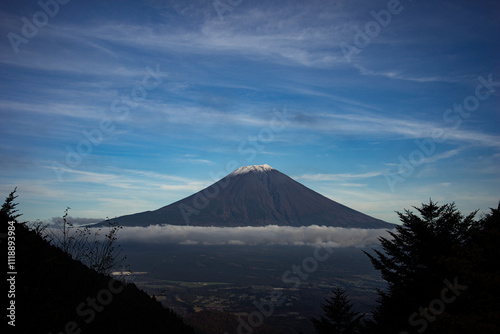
(412, 263)
(339, 317)
(8, 210)
(477, 310)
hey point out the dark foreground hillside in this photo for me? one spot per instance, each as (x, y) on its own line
(55, 294)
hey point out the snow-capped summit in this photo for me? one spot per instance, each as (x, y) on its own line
(254, 168)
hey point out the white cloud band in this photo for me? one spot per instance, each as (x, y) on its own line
(249, 235)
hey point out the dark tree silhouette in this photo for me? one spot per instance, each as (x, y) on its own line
(8, 211)
(442, 273)
(477, 265)
(339, 317)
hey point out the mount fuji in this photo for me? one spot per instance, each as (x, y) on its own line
(256, 195)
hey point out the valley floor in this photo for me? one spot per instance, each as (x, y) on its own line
(267, 289)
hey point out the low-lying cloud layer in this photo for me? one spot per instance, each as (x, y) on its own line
(265, 235)
(76, 221)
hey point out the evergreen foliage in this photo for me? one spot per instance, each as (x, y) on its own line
(8, 210)
(442, 274)
(339, 317)
(412, 262)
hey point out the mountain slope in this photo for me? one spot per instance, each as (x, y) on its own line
(56, 294)
(255, 196)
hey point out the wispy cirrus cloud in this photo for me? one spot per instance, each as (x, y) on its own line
(133, 179)
(337, 177)
(223, 80)
(384, 126)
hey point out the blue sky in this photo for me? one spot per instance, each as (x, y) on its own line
(118, 107)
